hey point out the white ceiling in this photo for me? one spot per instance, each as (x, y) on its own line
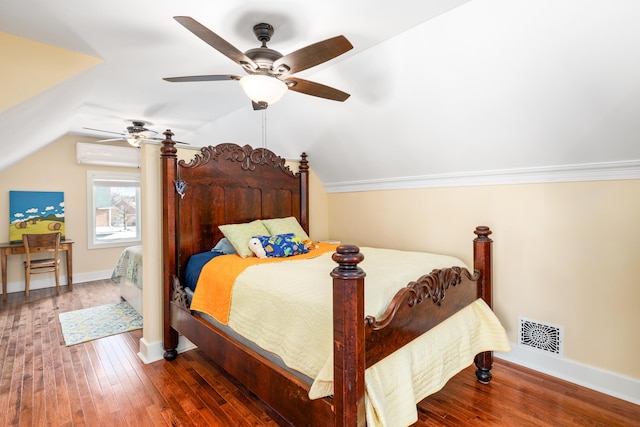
(437, 87)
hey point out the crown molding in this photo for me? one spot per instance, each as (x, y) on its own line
(605, 171)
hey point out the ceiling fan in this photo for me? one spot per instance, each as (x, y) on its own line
(269, 73)
(136, 135)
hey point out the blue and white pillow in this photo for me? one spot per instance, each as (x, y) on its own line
(282, 245)
(224, 246)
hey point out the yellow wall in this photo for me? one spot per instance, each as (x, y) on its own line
(564, 253)
(318, 207)
(53, 168)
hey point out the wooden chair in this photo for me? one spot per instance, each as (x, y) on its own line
(48, 242)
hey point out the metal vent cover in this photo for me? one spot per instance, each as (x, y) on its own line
(544, 337)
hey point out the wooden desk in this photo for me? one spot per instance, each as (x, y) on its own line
(18, 249)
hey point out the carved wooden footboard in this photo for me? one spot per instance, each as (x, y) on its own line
(268, 189)
(413, 311)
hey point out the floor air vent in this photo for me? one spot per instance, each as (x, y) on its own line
(541, 336)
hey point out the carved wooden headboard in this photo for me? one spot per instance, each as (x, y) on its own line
(225, 184)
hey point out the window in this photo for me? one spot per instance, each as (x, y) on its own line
(113, 204)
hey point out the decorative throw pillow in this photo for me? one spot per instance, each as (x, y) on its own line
(282, 245)
(224, 246)
(284, 226)
(240, 234)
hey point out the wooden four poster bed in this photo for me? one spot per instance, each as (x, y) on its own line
(229, 184)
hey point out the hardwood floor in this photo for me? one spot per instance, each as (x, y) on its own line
(102, 382)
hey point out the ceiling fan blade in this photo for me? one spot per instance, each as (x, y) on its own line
(312, 55)
(106, 131)
(207, 78)
(316, 89)
(111, 140)
(215, 41)
(162, 139)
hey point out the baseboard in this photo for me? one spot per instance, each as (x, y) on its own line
(48, 281)
(152, 352)
(91, 276)
(41, 282)
(606, 382)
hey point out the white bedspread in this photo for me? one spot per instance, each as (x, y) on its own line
(129, 265)
(395, 384)
(294, 306)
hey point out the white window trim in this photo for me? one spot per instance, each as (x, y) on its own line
(91, 216)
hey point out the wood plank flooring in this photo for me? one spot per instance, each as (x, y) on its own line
(102, 382)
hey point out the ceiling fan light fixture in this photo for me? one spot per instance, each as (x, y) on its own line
(260, 88)
(135, 141)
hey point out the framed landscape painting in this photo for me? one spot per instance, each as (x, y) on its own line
(35, 212)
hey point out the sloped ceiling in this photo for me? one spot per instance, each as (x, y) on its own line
(437, 88)
(35, 67)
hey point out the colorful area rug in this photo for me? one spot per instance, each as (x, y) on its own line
(96, 322)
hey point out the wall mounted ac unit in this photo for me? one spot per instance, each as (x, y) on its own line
(107, 155)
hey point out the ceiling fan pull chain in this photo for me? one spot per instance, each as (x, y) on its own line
(264, 133)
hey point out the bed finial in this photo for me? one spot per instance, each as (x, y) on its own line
(304, 163)
(347, 257)
(168, 148)
(483, 232)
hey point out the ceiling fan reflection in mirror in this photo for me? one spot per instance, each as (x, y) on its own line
(269, 73)
(136, 135)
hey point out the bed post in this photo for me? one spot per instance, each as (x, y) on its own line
(482, 263)
(303, 169)
(348, 337)
(169, 159)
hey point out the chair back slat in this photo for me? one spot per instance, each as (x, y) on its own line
(46, 242)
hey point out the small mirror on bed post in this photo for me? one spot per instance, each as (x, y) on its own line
(180, 187)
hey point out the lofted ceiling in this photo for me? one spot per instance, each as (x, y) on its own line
(438, 87)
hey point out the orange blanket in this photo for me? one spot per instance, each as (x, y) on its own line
(215, 284)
